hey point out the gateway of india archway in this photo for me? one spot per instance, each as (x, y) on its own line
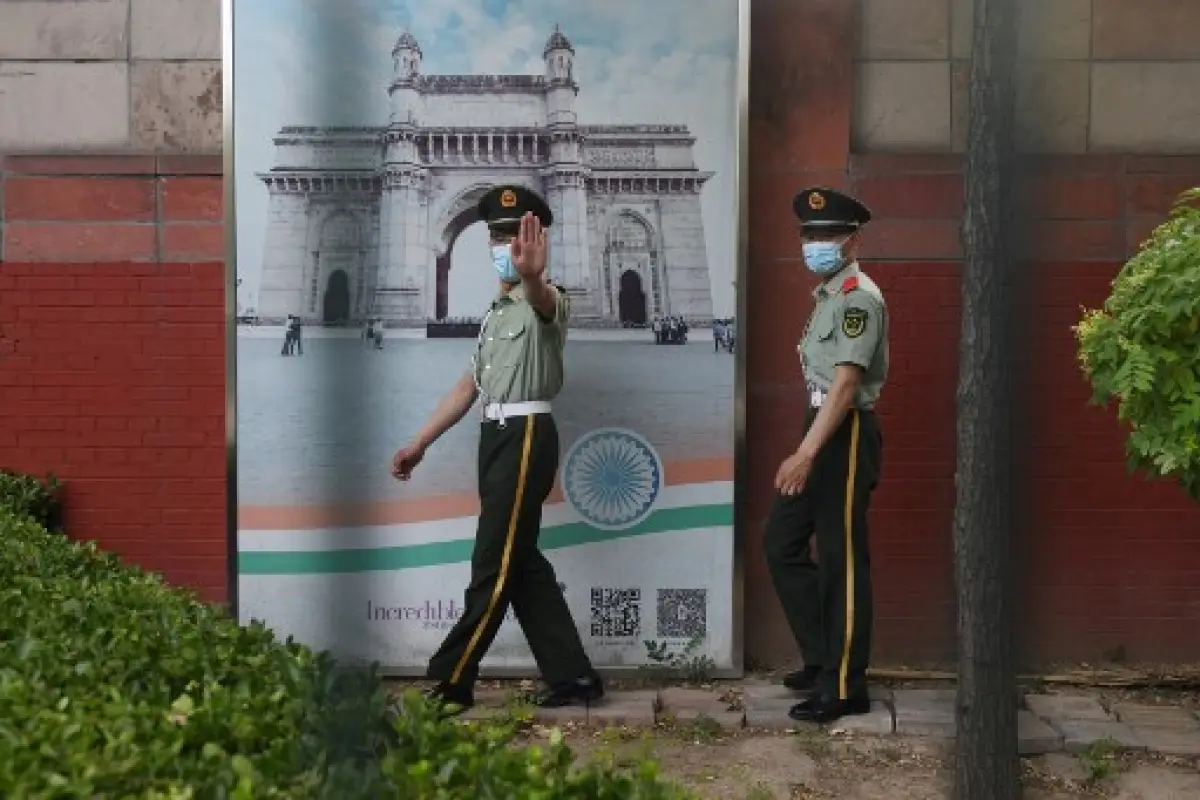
(362, 220)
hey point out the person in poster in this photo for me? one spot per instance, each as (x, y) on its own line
(825, 487)
(517, 370)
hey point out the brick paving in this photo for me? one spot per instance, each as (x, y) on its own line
(1047, 723)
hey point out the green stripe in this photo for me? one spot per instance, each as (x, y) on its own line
(385, 559)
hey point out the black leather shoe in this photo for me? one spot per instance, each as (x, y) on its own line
(821, 709)
(451, 698)
(802, 680)
(585, 691)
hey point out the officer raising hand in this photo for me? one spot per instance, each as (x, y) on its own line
(517, 371)
(529, 249)
(824, 487)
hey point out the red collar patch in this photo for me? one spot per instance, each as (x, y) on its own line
(849, 285)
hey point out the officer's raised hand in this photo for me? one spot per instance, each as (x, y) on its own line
(529, 247)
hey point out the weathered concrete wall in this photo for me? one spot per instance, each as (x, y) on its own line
(110, 75)
(110, 112)
(1097, 76)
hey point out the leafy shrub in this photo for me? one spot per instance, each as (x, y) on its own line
(436, 759)
(28, 496)
(1143, 349)
(113, 685)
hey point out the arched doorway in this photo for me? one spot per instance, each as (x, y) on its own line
(465, 242)
(340, 249)
(337, 297)
(630, 260)
(631, 299)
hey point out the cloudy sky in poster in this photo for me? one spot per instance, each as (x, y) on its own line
(328, 62)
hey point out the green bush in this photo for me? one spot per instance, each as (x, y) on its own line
(1143, 349)
(28, 496)
(113, 685)
(435, 759)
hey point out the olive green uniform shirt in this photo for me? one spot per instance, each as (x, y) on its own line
(519, 356)
(849, 325)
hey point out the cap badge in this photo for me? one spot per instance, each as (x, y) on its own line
(508, 198)
(816, 201)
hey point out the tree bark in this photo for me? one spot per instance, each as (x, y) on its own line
(986, 763)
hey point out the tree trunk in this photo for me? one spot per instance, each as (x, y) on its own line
(986, 764)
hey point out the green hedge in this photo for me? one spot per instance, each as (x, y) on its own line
(113, 685)
(29, 496)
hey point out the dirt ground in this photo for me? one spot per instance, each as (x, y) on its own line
(823, 764)
(826, 766)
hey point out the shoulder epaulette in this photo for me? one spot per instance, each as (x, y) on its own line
(850, 284)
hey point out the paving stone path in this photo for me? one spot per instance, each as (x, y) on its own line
(1047, 723)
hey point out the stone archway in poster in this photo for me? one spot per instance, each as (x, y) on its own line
(365, 133)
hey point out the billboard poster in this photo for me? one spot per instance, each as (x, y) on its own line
(364, 134)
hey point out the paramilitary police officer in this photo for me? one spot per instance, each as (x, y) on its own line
(824, 488)
(517, 369)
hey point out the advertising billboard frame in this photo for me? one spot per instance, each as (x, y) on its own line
(741, 273)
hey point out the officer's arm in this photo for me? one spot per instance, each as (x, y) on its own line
(839, 400)
(542, 296)
(861, 327)
(450, 409)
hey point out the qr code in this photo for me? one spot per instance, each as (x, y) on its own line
(682, 613)
(616, 613)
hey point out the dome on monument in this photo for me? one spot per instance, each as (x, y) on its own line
(557, 41)
(406, 42)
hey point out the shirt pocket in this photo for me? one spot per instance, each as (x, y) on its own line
(825, 328)
(508, 343)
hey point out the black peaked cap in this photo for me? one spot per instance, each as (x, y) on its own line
(504, 206)
(823, 209)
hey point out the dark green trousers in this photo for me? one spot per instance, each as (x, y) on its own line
(517, 464)
(827, 602)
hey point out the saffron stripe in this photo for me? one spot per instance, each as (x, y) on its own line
(429, 508)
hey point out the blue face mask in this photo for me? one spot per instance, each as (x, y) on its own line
(823, 258)
(502, 262)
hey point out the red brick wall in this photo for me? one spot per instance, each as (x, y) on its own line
(111, 361)
(112, 352)
(1108, 562)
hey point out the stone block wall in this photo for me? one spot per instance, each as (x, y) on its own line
(114, 75)
(1097, 76)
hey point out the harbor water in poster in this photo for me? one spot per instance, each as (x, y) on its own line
(365, 133)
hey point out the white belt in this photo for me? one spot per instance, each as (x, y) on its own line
(817, 398)
(501, 411)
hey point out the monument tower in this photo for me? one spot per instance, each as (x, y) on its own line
(362, 220)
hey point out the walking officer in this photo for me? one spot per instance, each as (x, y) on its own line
(517, 370)
(825, 487)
